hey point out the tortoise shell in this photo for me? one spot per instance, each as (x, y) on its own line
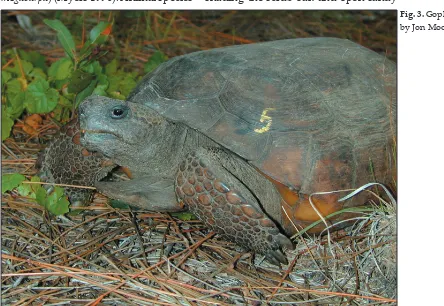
(312, 114)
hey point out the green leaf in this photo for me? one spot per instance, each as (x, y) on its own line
(39, 98)
(61, 113)
(60, 84)
(95, 34)
(61, 69)
(94, 68)
(7, 55)
(114, 81)
(11, 181)
(15, 97)
(86, 50)
(98, 69)
(155, 60)
(65, 101)
(79, 81)
(34, 57)
(41, 196)
(64, 37)
(85, 93)
(118, 204)
(29, 190)
(57, 203)
(184, 216)
(7, 124)
(127, 85)
(25, 190)
(15, 106)
(111, 67)
(38, 73)
(26, 66)
(6, 76)
(120, 85)
(13, 88)
(116, 95)
(102, 85)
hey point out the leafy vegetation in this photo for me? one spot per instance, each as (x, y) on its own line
(55, 202)
(30, 86)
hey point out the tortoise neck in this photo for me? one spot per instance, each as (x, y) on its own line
(162, 150)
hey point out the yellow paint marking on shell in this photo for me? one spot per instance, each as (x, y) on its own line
(265, 118)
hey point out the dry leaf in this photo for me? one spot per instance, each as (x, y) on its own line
(32, 123)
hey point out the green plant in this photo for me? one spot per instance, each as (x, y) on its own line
(32, 87)
(55, 202)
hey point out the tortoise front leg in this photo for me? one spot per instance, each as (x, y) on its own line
(151, 193)
(226, 205)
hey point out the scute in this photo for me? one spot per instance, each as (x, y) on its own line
(306, 112)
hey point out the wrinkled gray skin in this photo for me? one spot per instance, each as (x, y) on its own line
(309, 113)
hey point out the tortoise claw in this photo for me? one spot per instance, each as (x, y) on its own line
(272, 259)
(284, 242)
(49, 188)
(77, 203)
(275, 252)
(44, 177)
(276, 257)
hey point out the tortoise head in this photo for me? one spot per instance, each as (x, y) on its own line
(120, 130)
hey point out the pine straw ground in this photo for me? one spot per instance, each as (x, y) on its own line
(107, 256)
(97, 259)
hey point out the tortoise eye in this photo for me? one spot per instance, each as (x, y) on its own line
(119, 112)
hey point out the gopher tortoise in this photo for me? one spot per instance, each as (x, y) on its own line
(242, 136)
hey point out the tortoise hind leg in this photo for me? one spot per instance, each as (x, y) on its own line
(220, 200)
